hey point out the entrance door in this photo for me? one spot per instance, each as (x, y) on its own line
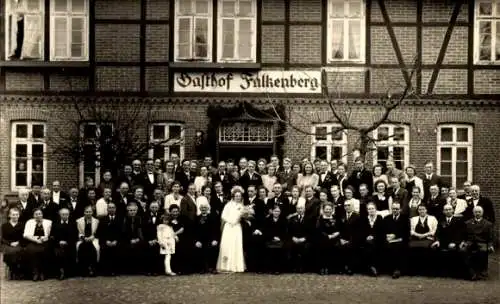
(249, 139)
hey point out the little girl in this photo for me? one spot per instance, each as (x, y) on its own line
(166, 238)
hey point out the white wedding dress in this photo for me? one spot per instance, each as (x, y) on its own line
(231, 257)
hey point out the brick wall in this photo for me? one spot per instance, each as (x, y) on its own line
(23, 81)
(305, 10)
(117, 42)
(157, 9)
(118, 9)
(273, 43)
(118, 79)
(487, 82)
(305, 44)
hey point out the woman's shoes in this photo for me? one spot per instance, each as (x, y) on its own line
(171, 274)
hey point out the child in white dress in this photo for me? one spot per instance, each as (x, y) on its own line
(166, 239)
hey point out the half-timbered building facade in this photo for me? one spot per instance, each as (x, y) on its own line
(206, 67)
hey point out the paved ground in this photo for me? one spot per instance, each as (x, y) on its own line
(250, 289)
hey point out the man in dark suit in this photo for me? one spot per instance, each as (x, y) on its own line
(359, 176)
(253, 238)
(477, 244)
(217, 199)
(435, 202)
(64, 236)
(326, 178)
(448, 237)
(224, 177)
(349, 236)
(300, 234)
(83, 192)
(151, 220)
(478, 200)
(75, 207)
(24, 205)
(122, 198)
(399, 194)
(250, 177)
(430, 178)
(150, 179)
(109, 234)
(59, 197)
(206, 240)
(312, 207)
(397, 231)
(137, 174)
(34, 197)
(188, 205)
(49, 208)
(364, 199)
(185, 177)
(286, 177)
(132, 241)
(279, 200)
(342, 178)
(338, 200)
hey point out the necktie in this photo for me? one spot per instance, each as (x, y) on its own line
(449, 220)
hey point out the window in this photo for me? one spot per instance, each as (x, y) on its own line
(487, 31)
(454, 154)
(28, 152)
(97, 144)
(193, 23)
(246, 132)
(346, 30)
(68, 30)
(328, 144)
(392, 142)
(24, 20)
(237, 29)
(25, 28)
(165, 139)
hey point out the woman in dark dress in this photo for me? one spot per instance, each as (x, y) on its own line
(328, 232)
(372, 238)
(381, 199)
(36, 233)
(180, 258)
(12, 238)
(275, 228)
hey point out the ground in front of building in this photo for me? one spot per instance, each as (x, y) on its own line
(254, 289)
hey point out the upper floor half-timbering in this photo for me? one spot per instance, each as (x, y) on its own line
(364, 47)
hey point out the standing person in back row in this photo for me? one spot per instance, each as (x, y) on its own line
(359, 176)
(429, 178)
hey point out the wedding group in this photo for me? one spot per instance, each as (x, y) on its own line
(193, 216)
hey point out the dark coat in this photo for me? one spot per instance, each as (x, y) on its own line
(60, 232)
(188, 208)
(206, 229)
(489, 210)
(400, 227)
(377, 231)
(350, 228)
(110, 230)
(283, 202)
(361, 177)
(50, 210)
(149, 228)
(435, 180)
(299, 228)
(328, 182)
(255, 180)
(450, 233)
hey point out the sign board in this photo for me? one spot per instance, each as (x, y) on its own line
(292, 82)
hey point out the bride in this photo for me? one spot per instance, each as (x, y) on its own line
(231, 246)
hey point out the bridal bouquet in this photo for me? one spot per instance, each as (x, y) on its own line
(247, 212)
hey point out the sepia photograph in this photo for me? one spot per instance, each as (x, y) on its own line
(249, 151)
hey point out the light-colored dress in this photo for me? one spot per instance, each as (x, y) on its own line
(231, 257)
(307, 180)
(166, 238)
(269, 181)
(170, 200)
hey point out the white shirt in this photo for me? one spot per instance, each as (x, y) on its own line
(170, 200)
(460, 206)
(151, 177)
(73, 203)
(24, 204)
(431, 222)
(56, 196)
(323, 175)
(355, 204)
(372, 220)
(101, 207)
(475, 202)
(29, 228)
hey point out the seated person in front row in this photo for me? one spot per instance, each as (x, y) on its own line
(372, 237)
(448, 237)
(328, 240)
(109, 234)
(12, 241)
(37, 232)
(477, 244)
(64, 237)
(88, 245)
(299, 232)
(396, 232)
(422, 235)
(275, 227)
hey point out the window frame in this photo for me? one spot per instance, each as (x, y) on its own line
(180, 142)
(83, 142)
(390, 143)
(177, 17)
(8, 34)
(494, 19)
(454, 144)
(346, 19)
(69, 15)
(329, 142)
(221, 135)
(220, 33)
(29, 141)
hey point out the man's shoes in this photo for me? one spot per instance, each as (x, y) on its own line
(396, 274)
(42, 276)
(348, 271)
(373, 271)
(36, 276)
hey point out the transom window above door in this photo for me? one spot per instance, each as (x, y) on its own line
(234, 38)
(246, 132)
